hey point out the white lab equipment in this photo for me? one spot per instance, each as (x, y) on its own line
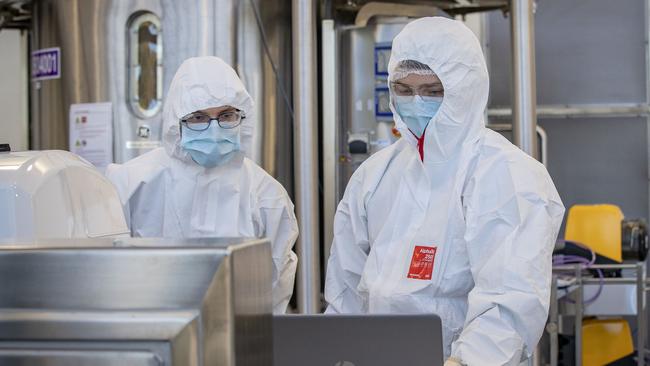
(56, 194)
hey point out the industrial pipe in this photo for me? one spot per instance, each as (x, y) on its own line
(305, 140)
(524, 122)
(524, 96)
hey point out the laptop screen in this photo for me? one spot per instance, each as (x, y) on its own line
(357, 340)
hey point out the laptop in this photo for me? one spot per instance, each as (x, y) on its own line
(357, 340)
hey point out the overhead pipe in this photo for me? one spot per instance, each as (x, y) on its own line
(305, 140)
(524, 122)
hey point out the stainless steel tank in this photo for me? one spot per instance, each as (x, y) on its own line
(136, 302)
(366, 120)
(126, 52)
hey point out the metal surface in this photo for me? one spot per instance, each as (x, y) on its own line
(641, 310)
(646, 24)
(347, 9)
(375, 9)
(553, 324)
(277, 130)
(579, 111)
(522, 25)
(93, 39)
(185, 302)
(614, 298)
(306, 152)
(272, 141)
(250, 57)
(536, 359)
(577, 289)
(357, 83)
(357, 88)
(570, 59)
(591, 159)
(570, 267)
(578, 315)
(349, 84)
(93, 68)
(642, 300)
(20, 357)
(226, 30)
(329, 97)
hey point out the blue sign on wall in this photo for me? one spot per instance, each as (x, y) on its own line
(382, 56)
(46, 64)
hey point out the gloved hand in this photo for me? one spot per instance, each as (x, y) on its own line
(453, 362)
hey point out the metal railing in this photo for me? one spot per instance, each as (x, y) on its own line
(577, 286)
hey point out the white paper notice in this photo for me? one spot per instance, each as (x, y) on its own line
(91, 132)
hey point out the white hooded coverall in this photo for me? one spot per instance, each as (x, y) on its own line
(488, 213)
(166, 194)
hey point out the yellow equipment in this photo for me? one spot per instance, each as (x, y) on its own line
(598, 227)
(605, 341)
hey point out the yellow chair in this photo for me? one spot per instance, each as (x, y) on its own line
(598, 227)
(605, 341)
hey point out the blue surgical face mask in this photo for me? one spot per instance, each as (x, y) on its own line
(417, 111)
(212, 147)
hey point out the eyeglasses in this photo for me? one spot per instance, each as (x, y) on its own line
(426, 90)
(199, 121)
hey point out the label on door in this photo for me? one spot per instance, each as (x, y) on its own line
(46, 64)
(421, 267)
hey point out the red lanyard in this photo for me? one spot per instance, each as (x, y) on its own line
(420, 143)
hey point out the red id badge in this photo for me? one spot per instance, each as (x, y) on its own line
(421, 267)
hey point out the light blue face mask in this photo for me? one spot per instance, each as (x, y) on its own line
(417, 111)
(212, 147)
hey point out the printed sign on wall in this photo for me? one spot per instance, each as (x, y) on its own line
(91, 132)
(46, 64)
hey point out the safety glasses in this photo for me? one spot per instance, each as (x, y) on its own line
(199, 121)
(424, 90)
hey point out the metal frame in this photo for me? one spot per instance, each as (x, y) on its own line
(641, 282)
(553, 326)
(524, 94)
(305, 101)
(647, 76)
(580, 111)
(199, 296)
(329, 98)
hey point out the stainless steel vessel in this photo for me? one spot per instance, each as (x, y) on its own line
(126, 52)
(136, 302)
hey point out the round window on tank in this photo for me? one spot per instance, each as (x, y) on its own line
(144, 39)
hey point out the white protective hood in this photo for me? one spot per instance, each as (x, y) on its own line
(166, 194)
(464, 76)
(489, 213)
(202, 83)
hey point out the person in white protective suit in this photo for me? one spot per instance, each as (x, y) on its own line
(201, 184)
(451, 219)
